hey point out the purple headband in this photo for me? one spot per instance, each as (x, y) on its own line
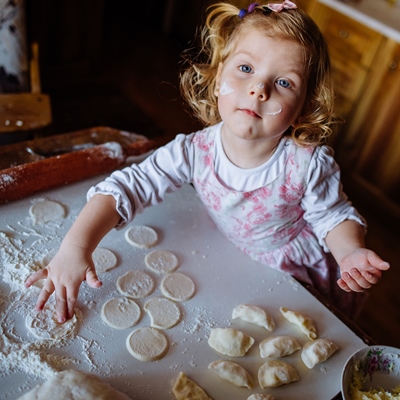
(271, 7)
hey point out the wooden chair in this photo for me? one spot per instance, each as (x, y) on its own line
(26, 111)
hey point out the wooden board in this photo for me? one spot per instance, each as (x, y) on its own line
(33, 166)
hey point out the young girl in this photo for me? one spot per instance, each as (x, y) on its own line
(261, 85)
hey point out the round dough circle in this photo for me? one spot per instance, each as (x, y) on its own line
(164, 313)
(44, 324)
(141, 236)
(120, 312)
(44, 211)
(136, 284)
(163, 261)
(104, 259)
(147, 344)
(177, 287)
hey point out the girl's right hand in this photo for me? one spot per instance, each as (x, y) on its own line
(64, 275)
(73, 263)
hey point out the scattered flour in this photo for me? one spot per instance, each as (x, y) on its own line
(20, 351)
(44, 324)
(26, 343)
(21, 254)
(201, 320)
(26, 247)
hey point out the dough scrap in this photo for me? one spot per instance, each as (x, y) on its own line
(141, 236)
(136, 284)
(44, 211)
(104, 260)
(120, 312)
(230, 342)
(254, 315)
(278, 346)
(274, 373)
(304, 322)
(260, 396)
(147, 344)
(44, 324)
(164, 313)
(233, 373)
(177, 287)
(185, 389)
(77, 385)
(162, 261)
(317, 351)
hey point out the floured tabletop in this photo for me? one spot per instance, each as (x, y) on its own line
(223, 276)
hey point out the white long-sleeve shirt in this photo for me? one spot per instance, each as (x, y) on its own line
(140, 186)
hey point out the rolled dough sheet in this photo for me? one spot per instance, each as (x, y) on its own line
(162, 261)
(177, 287)
(121, 312)
(136, 284)
(104, 259)
(76, 385)
(147, 344)
(164, 313)
(141, 236)
(43, 211)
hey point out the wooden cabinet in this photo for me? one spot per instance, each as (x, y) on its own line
(303, 4)
(353, 47)
(373, 140)
(366, 73)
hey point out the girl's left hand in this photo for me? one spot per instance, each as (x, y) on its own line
(360, 270)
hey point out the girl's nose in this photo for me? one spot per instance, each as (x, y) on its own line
(259, 90)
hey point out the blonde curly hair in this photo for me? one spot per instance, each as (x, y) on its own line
(221, 32)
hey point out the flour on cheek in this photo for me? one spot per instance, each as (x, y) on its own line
(272, 108)
(226, 89)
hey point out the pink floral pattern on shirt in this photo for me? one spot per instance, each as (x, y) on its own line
(266, 223)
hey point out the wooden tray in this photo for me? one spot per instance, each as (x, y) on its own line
(41, 164)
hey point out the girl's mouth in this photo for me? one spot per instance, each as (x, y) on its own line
(250, 112)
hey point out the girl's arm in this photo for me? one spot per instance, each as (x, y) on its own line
(360, 268)
(135, 188)
(73, 262)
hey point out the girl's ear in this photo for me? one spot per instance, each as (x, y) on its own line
(218, 80)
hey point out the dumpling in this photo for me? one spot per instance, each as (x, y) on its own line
(254, 315)
(275, 373)
(230, 342)
(232, 372)
(260, 396)
(304, 322)
(185, 388)
(278, 346)
(317, 351)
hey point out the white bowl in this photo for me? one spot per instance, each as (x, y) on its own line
(378, 366)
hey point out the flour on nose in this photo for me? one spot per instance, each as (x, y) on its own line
(225, 88)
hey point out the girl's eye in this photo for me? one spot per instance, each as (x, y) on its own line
(245, 68)
(283, 82)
